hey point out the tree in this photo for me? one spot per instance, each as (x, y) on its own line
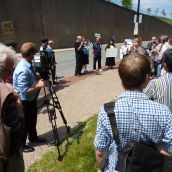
(149, 10)
(163, 13)
(127, 4)
(157, 11)
(171, 14)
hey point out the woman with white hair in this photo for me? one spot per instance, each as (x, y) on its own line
(11, 121)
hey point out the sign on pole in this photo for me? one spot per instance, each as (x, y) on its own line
(135, 18)
(140, 18)
(136, 29)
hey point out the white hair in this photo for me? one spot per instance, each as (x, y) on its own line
(5, 54)
(51, 42)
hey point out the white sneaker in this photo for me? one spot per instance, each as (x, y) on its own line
(94, 70)
(100, 70)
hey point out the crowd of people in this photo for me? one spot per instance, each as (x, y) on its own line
(134, 133)
(143, 113)
(19, 90)
(82, 46)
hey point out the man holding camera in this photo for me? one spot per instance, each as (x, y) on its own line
(25, 84)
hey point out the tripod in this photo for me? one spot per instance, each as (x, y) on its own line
(51, 108)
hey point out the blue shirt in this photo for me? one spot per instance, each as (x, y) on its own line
(97, 49)
(138, 119)
(49, 51)
(86, 47)
(23, 79)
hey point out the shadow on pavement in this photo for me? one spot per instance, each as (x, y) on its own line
(75, 134)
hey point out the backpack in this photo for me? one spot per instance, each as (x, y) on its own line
(135, 157)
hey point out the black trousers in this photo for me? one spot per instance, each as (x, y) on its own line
(53, 72)
(97, 58)
(30, 119)
(78, 66)
(156, 63)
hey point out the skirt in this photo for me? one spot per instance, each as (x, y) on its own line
(85, 59)
(110, 61)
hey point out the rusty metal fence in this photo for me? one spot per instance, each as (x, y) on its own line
(63, 20)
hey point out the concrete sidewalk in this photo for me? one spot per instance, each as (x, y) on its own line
(80, 98)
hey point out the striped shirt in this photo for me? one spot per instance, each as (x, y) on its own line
(160, 90)
(138, 119)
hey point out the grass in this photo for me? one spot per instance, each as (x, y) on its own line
(166, 20)
(78, 154)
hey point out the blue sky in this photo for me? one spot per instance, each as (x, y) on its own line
(153, 4)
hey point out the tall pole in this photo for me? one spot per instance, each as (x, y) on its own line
(136, 20)
(138, 10)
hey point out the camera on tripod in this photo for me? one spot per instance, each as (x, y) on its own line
(43, 62)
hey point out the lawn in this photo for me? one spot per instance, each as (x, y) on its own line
(166, 20)
(78, 154)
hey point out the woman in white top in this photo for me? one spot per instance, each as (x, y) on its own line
(125, 49)
(110, 54)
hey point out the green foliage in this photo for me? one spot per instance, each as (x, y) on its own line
(166, 20)
(78, 154)
(157, 11)
(163, 13)
(149, 10)
(127, 4)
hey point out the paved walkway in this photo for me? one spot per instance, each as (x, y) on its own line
(80, 98)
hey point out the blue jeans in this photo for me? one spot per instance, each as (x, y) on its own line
(159, 67)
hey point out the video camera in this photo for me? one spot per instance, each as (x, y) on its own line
(43, 63)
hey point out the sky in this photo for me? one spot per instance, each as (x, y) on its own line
(153, 4)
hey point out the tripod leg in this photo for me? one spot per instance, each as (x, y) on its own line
(55, 132)
(52, 118)
(57, 105)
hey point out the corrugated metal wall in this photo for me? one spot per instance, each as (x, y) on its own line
(63, 20)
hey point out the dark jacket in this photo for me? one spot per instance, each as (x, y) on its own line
(9, 117)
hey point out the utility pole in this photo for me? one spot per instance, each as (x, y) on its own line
(138, 10)
(137, 19)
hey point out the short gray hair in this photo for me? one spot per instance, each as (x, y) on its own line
(5, 54)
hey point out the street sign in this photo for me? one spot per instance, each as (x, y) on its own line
(8, 30)
(97, 35)
(136, 24)
(140, 18)
(136, 29)
(135, 18)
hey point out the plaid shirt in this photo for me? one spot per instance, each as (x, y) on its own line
(160, 90)
(138, 119)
